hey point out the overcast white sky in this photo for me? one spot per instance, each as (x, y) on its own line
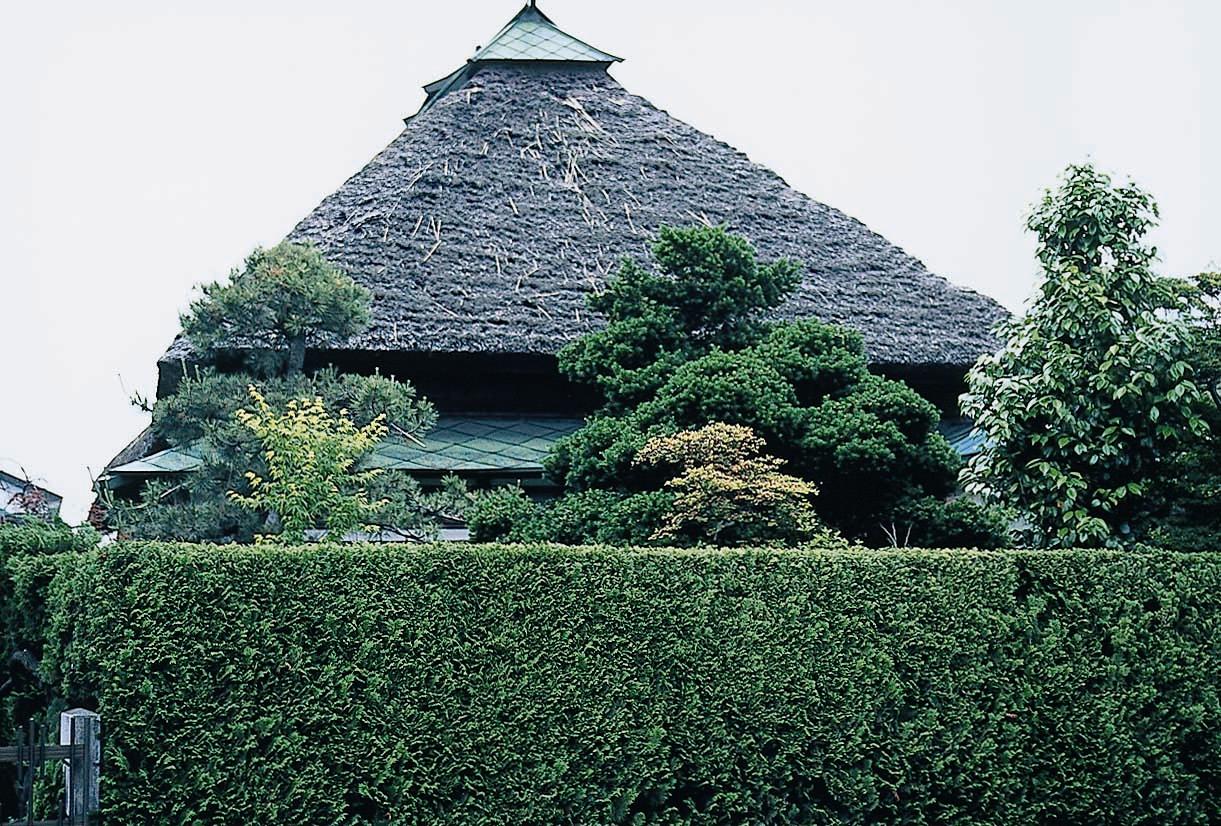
(148, 145)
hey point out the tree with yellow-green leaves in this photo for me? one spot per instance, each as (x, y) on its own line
(311, 481)
(728, 491)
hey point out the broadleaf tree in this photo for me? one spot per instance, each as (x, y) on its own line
(1192, 519)
(311, 481)
(1093, 389)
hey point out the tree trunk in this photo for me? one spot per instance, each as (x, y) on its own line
(296, 355)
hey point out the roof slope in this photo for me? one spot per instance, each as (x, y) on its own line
(483, 226)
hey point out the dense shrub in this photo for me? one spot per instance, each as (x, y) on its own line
(23, 537)
(26, 547)
(538, 685)
(31, 552)
(200, 417)
(686, 345)
(1177, 533)
(1191, 487)
(606, 517)
(959, 523)
(501, 514)
(591, 516)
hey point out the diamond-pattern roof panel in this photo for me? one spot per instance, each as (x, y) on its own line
(172, 460)
(456, 444)
(531, 36)
(962, 436)
(477, 443)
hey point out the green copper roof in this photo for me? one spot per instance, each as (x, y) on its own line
(530, 37)
(477, 444)
(458, 444)
(962, 436)
(173, 460)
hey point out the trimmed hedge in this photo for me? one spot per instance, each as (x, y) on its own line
(502, 685)
(29, 550)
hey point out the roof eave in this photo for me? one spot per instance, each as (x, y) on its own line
(440, 88)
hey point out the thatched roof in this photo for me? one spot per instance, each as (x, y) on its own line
(516, 191)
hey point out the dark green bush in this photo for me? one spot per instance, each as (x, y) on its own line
(28, 546)
(489, 684)
(604, 517)
(501, 515)
(959, 523)
(686, 345)
(35, 536)
(1190, 537)
(584, 518)
(31, 551)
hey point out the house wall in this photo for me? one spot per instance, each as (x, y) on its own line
(529, 383)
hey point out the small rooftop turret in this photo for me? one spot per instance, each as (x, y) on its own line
(530, 37)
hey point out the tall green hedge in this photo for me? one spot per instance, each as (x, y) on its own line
(541, 685)
(30, 552)
(29, 549)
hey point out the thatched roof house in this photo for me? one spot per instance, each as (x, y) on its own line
(526, 176)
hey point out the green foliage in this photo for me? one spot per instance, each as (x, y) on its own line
(868, 443)
(604, 516)
(286, 298)
(31, 553)
(1192, 484)
(1093, 389)
(201, 416)
(192, 508)
(727, 491)
(24, 537)
(583, 517)
(493, 685)
(958, 523)
(25, 546)
(21, 541)
(498, 514)
(1203, 296)
(311, 479)
(708, 293)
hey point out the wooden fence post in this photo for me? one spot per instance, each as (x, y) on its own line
(81, 727)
